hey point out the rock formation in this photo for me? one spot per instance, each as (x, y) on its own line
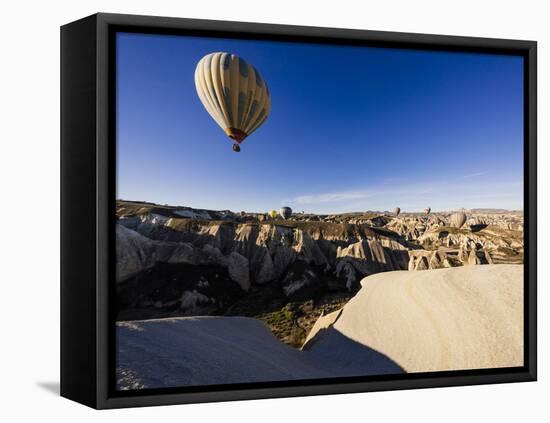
(174, 261)
(468, 318)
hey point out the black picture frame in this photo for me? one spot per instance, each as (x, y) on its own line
(87, 207)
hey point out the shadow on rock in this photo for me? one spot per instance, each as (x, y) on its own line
(343, 356)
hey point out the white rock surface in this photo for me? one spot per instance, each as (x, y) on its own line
(239, 270)
(445, 319)
(188, 351)
(134, 252)
(206, 350)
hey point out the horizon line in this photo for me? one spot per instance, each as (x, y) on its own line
(415, 211)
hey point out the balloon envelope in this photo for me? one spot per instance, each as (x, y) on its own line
(273, 214)
(285, 212)
(233, 92)
(397, 211)
(427, 210)
(458, 219)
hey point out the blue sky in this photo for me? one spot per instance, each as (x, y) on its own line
(350, 128)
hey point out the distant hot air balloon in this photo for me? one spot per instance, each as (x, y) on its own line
(396, 211)
(285, 212)
(427, 210)
(243, 213)
(458, 219)
(234, 93)
(273, 214)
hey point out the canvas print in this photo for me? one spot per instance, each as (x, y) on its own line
(298, 211)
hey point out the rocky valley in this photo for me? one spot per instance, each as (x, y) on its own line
(179, 261)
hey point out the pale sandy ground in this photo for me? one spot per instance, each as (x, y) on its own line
(205, 350)
(220, 350)
(447, 319)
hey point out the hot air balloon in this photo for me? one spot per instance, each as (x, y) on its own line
(234, 93)
(242, 213)
(285, 212)
(427, 210)
(458, 219)
(396, 211)
(273, 214)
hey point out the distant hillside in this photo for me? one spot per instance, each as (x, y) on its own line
(495, 211)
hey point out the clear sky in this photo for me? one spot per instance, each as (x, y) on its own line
(350, 128)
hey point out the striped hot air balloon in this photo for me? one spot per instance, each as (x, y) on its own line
(458, 219)
(234, 93)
